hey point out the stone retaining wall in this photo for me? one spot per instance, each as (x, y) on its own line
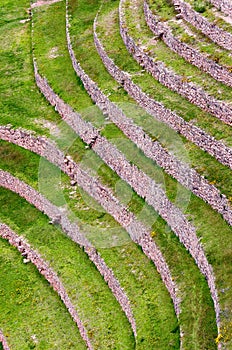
(182, 172)
(223, 5)
(190, 54)
(31, 256)
(57, 217)
(103, 195)
(168, 78)
(141, 183)
(216, 34)
(3, 341)
(194, 134)
(43, 3)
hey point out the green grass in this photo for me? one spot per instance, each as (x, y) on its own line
(13, 11)
(29, 307)
(20, 101)
(164, 8)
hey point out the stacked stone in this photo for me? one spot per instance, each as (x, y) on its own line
(104, 196)
(141, 183)
(3, 341)
(190, 54)
(186, 176)
(57, 217)
(216, 34)
(168, 78)
(194, 134)
(223, 5)
(42, 3)
(31, 255)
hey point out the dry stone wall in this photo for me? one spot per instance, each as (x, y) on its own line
(103, 195)
(40, 3)
(216, 34)
(194, 134)
(168, 78)
(58, 217)
(32, 256)
(141, 183)
(180, 171)
(190, 54)
(223, 5)
(3, 341)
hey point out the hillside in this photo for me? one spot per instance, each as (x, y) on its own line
(115, 174)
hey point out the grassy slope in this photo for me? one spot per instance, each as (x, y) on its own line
(29, 307)
(21, 103)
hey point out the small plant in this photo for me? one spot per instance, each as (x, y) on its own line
(218, 339)
(153, 234)
(187, 38)
(185, 79)
(215, 57)
(200, 6)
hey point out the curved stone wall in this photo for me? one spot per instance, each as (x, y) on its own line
(3, 341)
(30, 255)
(223, 5)
(168, 78)
(194, 134)
(182, 172)
(190, 54)
(216, 34)
(104, 196)
(57, 217)
(40, 3)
